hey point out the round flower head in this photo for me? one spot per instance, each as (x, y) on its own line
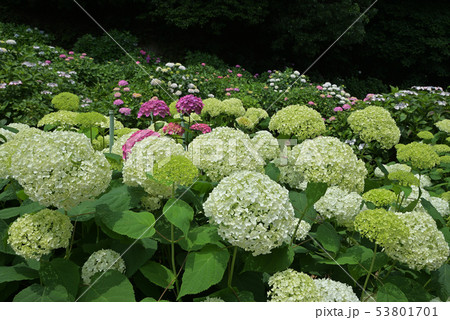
(256, 114)
(155, 108)
(293, 286)
(223, 151)
(444, 159)
(421, 156)
(245, 122)
(335, 291)
(443, 125)
(404, 178)
(123, 83)
(212, 107)
(253, 212)
(266, 145)
(233, 107)
(175, 169)
(60, 169)
(339, 205)
(375, 124)
(446, 196)
(125, 111)
(439, 204)
(300, 121)
(101, 261)
(173, 128)
(8, 135)
(425, 135)
(392, 168)
(66, 101)
(95, 119)
(327, 159)
(441, 148)
(136, 137)
(203, 127)
(142, 159)
(36, 234)
(380, 197)
(60, 118)
(189, 104)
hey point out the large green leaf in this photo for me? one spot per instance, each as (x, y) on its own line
(38, 293)
(17, 273)
(278, 260)
(441, 280)
(328, 237)
(314, 191)
(390, 293)
(198, 237)
(179, 213)
(272, 171)
(61, 272)
(16, 211)
(112, 286)
(158, 274)
(118, 199)
(135, 253)
(135, 225)
(413, 290)
(203, 269)
(4, 247)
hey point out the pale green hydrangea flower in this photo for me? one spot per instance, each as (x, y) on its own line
(328, 160)
(443, 125)
(121, 132)
(36, 234)
(66, 101)
(392, 168)
(439, 204)
(446, 196)
(335, 291)
(421, 156)
(425, 135)
(300, 121)
(266, 145)
(151, 203)
(293, 286)
(404, 178)
(380, 197)
(245, 122)
(9, 135)
(60, 118)
(375, 124)
(223, 151)
(101, 261)
(212, 107)
(60, 169)
(444, 159)
(253, 212)
(339, 205)
(175, 169)
(256, 114)
(233, 107)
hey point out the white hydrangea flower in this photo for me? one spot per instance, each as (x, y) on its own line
(253, 212)
(101, 261)
(293, 286)
(223, 151)
(339, 205)
(335, 291)
(441, 205)
(9, 135)
(266, 145)
(392, 168)
(213, 299)
(60, 169)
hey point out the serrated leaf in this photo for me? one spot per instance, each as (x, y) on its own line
(179, 213)
(158, 274)
(278, 260)
(135, 225)
(61, 272)
(112, 286)
(38, 293)
(203, 269)
(17, 273)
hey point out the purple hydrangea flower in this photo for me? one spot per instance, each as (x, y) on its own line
(189, 104)
(125, 111)
(155, 108)
(118, 102)
(123, 83)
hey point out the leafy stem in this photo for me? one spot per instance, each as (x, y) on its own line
(370, 269)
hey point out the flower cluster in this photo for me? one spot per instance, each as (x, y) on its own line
(8, 135)
(213, 107)
(223, 151)
(404, 178)
(36, 234)
(326, 159)
(233, 107)
(375, 124)
(293, 286)
(421, 156)
(101, 261)
(253, 212)
(202, 127)
(392, 168)
(335, 291)
(155, 108)
(60, 118)
(136, 137)
(60, 169)
(443, 125)
(441, 148)
(425, 135)
(300, 121)
(189, 104)
(256, 114)
(380, 197)
(266, 145)
(340, 206)
(173, 128)
(66, 101)
(175, 169)
(245, 122)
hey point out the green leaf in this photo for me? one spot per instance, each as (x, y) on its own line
(353, 256)
(272, 171)
(61, 272)
(84, 211)
(16, 211)
(413, 290)
(118, 199)
(314, 191)
(113, 157)
(328, 237)
(198, 237)
(4, 247)
(136, 253)
(17, 273)
(433, 213)
(278, 260)
(441, 280)
(179, 213)
(382, 168)
(111, 286)
(135, 225)
(38, 293)
(390, 293)
(298, 201)
(203, 269)
(158, 274)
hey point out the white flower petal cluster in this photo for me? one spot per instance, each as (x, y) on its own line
(392, 168)
(223, 151)
(335, 291)
(118, 143)
(9, 135)
(101, 261)
(327, 159)
(213, 299)
(339, 205)
(253, 212)
(142, 159)
(293, 286)
(266, 145)
(60, 169)
(36, 234)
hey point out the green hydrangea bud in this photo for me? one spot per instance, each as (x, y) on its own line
(421, 156)
(441, 148)
(404, 178)
(245, 122)
(59, 118)
(425, 135)
(380, 197)
(176, 169)
(444, 159)
(66, 101)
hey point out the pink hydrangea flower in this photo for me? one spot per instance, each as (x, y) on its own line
(230, 71)
(118, 102)
(219, 77)
(125, 111)
(71, 52)
(126, 89)
(346, 106)
(82, 57)
(136, 137)
(337, 109)
(332, 118)
(238, 66)
(83, 54)
(173, 128)
(117, 95)
(189, 104)
(123, 83)
(236, 89)
(155, 108)
(138, 62)
(116, 89)
(203, 64)
(228, 94)
(239, 75)
(319, 88)
(285, 98)
(143, 52)
(329, 96)
(62, 56)
(311, 103)
(203, 127)
(48, 61)
(322, 96)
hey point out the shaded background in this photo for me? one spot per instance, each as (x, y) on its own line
(399, 43)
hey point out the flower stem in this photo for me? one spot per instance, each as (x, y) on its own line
(172, 247)
(370, 269)
(230, 273)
